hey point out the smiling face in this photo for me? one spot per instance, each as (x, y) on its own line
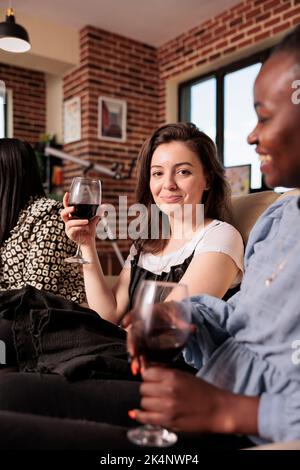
(277, 133)
(177, 175)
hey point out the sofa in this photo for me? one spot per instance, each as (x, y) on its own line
(246, 209)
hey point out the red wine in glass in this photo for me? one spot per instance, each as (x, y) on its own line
(84, 211)
(162, 345)
(85, 196)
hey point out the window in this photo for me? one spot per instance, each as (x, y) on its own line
(2, 118)
(221, 104)
(3, 110)
(2, 115)
(205, 93)
(240, 119)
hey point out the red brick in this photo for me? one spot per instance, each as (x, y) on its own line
(28, 87)
(245, 43)
(237, 37)
(254, 30)
(272, 22)
(224, 16)
(280, 28)
(241, 8)
(282, 8)
(221, 45)
(261, 36)
(220, 30)
(291, 13)
(271, 4)
(229, 50)
(263, 17)
(253, 13)
(200, 62)
(236, 22)
(207, 51)
(214, 57)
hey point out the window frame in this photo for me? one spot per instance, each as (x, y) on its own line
(184, 92)
(8, 113)
(4, 116)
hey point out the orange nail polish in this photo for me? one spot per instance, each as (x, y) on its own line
(142, 365)
(134, 367)
(132, 414)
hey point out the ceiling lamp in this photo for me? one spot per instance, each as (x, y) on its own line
(13, 37)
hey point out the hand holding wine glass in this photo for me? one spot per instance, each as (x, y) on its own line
(158, 333)
(85, 197)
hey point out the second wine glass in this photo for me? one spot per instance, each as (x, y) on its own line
(85, 196)
(158, 333)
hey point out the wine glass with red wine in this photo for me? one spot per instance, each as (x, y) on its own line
(85, 196)
(159, 330)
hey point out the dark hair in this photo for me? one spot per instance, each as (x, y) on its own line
(19, 180)
(290, 44)
(215, 200)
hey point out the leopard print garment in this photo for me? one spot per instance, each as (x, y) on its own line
(35, 251)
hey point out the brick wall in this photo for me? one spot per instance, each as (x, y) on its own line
(29, 101)
(116, 67)
(246, 24)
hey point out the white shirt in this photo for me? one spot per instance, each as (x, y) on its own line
(217, 237)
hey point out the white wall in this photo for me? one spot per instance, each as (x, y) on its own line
(54, 106)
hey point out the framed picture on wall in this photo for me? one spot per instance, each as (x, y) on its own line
(112, 119)
(72, 120)
(239, 178)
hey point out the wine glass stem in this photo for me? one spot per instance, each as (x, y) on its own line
(152, 427)
(78, 251)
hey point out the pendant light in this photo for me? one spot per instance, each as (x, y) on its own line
(13, 37)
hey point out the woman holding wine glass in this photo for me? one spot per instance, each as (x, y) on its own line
(85, 197)
(157, 336)
(177, 165)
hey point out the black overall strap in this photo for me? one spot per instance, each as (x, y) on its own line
(139, 274)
